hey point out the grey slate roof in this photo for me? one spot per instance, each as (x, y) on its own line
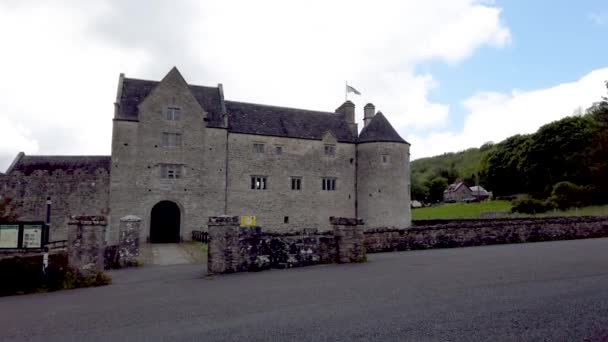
(380, 130)
(286, 122)
(243, 117)
(29, 164)
(134, 91)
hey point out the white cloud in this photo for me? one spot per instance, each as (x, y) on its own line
(495, 116)
(59, 79)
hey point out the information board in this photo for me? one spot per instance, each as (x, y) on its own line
(9, 236)
(32, 236)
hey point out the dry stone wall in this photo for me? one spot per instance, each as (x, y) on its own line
(238, 249)
(463, 233)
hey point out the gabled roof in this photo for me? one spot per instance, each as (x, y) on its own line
(248, 118)
(286, 122)
(28, 164)
(455, 187)
(478, 188)
(380, 130)
(134, 91)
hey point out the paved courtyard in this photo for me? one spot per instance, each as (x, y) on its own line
(173, 253)
(552, 291)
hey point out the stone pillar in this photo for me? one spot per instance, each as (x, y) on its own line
(86, 243)
(349, 236)
(128, 240)
(224, 255)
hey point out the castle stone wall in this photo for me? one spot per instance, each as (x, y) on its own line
(75, 192)
(308, 208)
(383, 188)
(137, 185)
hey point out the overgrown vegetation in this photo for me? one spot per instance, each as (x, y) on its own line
(23, 274)
(563, 165)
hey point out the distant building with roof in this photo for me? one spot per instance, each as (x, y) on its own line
(456, 192)
(182, 153)
(480, 193)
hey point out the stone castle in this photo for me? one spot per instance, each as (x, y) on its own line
(182, 153)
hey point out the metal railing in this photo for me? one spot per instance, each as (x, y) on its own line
(201, 236)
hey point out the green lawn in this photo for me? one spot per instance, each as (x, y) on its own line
(473, 210)
(459, 210)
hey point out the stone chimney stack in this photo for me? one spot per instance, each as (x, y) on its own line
(368, 115)
(348, 110)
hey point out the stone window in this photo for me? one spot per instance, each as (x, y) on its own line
(258, 182)
(258, 148)
(384, 159)
(328, 184)
(170, 171)
(296, 183)
(286, 219)
(171, 140)
(173, 113)
(330, 150)
(278, 150)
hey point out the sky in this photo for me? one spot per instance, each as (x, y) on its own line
(448, 74)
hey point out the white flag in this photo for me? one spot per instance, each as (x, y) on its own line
(350, 89)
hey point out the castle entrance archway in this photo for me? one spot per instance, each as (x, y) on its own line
(165, 222)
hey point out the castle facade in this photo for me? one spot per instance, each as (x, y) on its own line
(182, 153)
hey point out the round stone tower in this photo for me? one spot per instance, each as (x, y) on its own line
(383, 174)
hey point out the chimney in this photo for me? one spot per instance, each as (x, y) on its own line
(348, 110)
(368, 115)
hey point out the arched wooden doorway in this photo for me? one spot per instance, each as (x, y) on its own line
(164, 223)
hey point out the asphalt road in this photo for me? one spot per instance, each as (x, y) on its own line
(551, 291)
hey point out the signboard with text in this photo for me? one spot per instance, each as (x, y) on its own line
(32, 235)
(9, 235)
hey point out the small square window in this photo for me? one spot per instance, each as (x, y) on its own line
(296, 183)
(328, 184)
(170, 171)
(330, 150)
(286, 219)
(171, 140)
(258, 182)
(258, 148)
(278, 150)
(384, 158)
(173, 113)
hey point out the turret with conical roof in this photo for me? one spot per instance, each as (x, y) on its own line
(383, 175)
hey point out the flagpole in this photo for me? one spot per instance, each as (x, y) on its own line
(345, 91)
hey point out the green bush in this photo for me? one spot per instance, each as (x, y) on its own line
(567, 195)
(531, 206)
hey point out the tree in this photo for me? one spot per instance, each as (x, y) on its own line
(436, 188)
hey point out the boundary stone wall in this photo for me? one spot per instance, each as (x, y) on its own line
(463, 233)
(87, 243)
(238, 249)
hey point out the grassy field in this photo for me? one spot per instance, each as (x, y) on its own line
(473, 211)
(459, 210)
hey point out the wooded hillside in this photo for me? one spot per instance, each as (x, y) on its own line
(573, 150)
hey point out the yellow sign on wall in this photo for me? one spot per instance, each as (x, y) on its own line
(247, 221)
